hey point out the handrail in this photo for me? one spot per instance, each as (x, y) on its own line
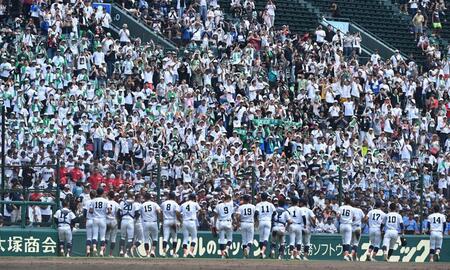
(363, 47)
(23, 210)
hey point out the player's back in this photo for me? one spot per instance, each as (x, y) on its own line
(113, 209)
(100, 206)
(265, 211)
(247, 213)
(86, 206)
(127, 209)
(358, 217)
(189, 210)
(169, 209)
(295, 214)
(376, 218)
(437, 221)
(280, 217)
(137, 207)
(346, 214)
(64, 217)
(308, 213)
(393, 221)
(224, 210)
(149, 211)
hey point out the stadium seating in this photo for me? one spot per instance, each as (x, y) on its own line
(378, 19)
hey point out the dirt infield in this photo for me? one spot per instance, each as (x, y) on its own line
(22, 263)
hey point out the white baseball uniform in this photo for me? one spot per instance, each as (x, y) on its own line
(100, 206)
(128, 213)
(376, 218)
(265, 212)
(224, 225)
(356, 225)
(306, 234)
(138, 230)
(89, 221)
(392, 222)
(346, 219)
(111, 221)
(296, 227)
(437, 221)
(149, 217)
(279, 226)
(170, 209)
(247, 222)
(64, 217)
(189, 211)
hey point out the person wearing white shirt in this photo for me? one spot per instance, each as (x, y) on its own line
(264, 211)
(296, 225)
(246, 222)
(270, 7)
(393, 221)
(356, 231)
(149, 217)
(64, 218)
(320, 35)
(124, 35)
(171, 215)
(375, 218)
(346, 218)
(437, 224)
(223, 224)
(349, 108)
(98, 57)
(189, 212)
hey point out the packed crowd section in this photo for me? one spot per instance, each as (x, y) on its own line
(294, 108)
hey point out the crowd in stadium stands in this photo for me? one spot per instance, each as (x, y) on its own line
(296, 109)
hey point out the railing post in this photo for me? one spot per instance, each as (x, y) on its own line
(421, 200)
(158, 177)
(58, 192)
(23, 214)
(340, 186)
(253, 185)
(3, 150)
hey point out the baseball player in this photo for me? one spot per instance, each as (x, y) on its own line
(310, 221)
(296, 224)
(189, 212)
(128, 212)
(375, 217)
(245, 220)
(64, 218)
(89, 221)
(280, 222)
(264, 213)
(393, 221)
(111, 222)
(149, 216)
(138, 231)
(99, 209)
(171, 214)
(436, 227)
(346, 217)
(356, 231)
(223, 223)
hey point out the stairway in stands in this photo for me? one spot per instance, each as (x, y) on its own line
(298, 14)
(380, 20)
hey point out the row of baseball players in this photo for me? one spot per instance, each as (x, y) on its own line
(139, 221)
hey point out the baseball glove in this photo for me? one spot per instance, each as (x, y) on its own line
(403, 241)
(214, 231)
